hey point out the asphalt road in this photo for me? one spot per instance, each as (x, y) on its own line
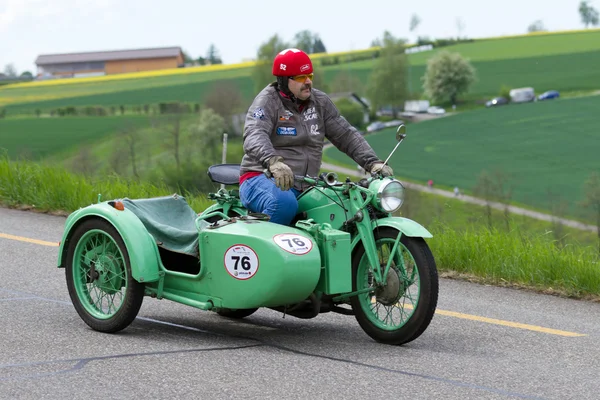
(483, 343)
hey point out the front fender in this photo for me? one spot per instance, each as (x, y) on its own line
(408, 227)
(142, 249)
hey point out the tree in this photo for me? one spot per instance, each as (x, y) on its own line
(447, 75)
(346, 82)
(309, 42)
(589, 15)
(319, 47)
(460, 26)
(388, 81)
(27, 75)
(224, 99)
(262, 73)
(592, 198)
(212, 55)
(187, 58)
(351, 111)
(414, 22)
(537, 26)
(10, 71)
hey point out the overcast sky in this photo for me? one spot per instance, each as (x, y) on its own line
(237, 28)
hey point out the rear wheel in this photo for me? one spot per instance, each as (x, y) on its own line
(400, 310)
(99, 279)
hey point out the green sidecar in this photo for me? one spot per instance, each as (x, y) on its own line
(345, 252)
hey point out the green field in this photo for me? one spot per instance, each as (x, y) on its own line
(36, 138)
(566, 62)
(541, 147)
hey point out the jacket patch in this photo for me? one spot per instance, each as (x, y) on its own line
(311, 113)
(259, 113)
(286, 116)
(286, 131)
(314, 130)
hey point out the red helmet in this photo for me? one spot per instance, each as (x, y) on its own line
(292, 62)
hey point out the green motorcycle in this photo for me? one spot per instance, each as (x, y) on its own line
(345, 252)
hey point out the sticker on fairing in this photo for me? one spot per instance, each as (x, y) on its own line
(241, 262)
(286, 131)
(293, 243)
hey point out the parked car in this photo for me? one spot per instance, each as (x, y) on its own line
(394, 122)
(436, 110)
(375, 126)
(496, 101)
(550, 94)
(522, 95)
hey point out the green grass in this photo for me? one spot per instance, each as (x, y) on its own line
(515, 257)
(541, 146)
(544, 62)
(35, 138)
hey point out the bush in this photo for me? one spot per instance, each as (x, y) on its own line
(505, 91)
(351, 111)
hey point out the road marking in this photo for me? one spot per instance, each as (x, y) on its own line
(28, 240)
(454, 314)
(509, 323)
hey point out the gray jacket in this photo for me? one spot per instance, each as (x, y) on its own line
(276, 127)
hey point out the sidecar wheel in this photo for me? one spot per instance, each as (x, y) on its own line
(99, 279)
(237, 314)
(400, 311)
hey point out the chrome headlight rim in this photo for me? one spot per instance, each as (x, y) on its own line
(380, 196)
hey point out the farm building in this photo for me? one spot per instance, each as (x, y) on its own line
(108, 62)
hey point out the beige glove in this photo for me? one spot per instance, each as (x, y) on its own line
(284, 177)
(381, 167)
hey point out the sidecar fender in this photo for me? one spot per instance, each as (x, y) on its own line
(408, 227)
(143, 252)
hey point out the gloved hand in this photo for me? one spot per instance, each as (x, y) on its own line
(381, 167)
(284, 177)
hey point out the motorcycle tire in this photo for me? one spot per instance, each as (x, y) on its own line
(410, 293)
(98, 273)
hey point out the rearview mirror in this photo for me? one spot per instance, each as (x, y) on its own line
(401, 132)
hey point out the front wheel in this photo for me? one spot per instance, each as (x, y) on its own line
(99, 278)
(400, 310)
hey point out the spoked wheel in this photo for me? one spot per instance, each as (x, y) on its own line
(99, 278)
(399, 311)
(237, 314)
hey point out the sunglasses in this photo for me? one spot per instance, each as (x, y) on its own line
(302, 78)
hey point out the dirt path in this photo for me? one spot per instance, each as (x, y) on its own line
(473, 200)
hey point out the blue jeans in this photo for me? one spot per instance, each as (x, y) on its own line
(260, 194)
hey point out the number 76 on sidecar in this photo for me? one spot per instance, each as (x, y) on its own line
(345, 252)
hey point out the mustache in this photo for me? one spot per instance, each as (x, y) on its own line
(306, 86)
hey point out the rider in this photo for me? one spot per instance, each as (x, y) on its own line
(284, 133)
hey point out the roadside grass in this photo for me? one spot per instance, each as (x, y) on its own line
(488, 255)
(545, 151)
(27, 185)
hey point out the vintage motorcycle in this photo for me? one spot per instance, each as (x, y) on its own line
(344, 252)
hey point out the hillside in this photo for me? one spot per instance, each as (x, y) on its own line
(545, 61)
(541, 148)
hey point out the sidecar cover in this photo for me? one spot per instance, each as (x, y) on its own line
(170, 220)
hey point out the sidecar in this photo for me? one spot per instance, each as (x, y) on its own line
(116, 252)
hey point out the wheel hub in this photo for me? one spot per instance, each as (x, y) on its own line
(106, 271)
(393, 289)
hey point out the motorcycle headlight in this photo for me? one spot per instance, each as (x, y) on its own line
(389, 194)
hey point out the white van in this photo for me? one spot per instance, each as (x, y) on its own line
(522, 95)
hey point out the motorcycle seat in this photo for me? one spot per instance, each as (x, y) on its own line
(227, 174)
